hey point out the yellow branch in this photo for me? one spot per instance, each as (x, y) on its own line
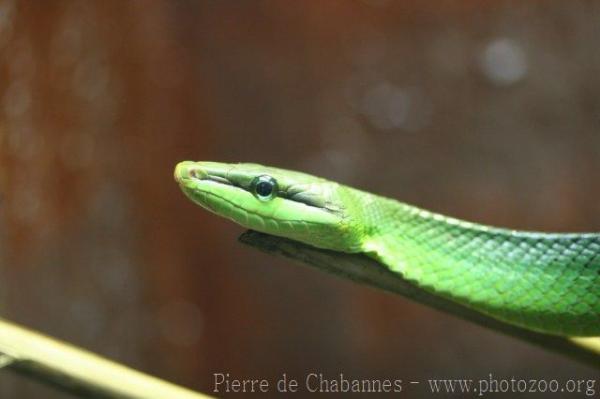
(591, 344)
(78, 371)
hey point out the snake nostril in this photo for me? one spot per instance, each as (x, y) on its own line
(186, 170)
(197, 172)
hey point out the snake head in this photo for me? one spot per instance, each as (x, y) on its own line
(274, 201)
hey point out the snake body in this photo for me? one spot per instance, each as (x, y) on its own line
(546, 282)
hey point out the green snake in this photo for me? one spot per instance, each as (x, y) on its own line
(545, 282)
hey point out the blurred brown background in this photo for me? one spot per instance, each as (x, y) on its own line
(485, 111)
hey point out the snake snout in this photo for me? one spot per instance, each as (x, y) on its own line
(188, 170)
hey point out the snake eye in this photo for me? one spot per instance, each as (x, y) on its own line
(264, 187)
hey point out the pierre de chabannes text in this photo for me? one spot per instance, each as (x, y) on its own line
(340, 383)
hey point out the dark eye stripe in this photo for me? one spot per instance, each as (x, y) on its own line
(308, 198)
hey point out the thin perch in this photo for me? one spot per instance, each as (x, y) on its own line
(78, 371)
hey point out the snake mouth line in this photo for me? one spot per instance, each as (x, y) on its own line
(208, 194)
(193, 177)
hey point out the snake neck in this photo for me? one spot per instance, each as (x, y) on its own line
(392, 229)
(544, 282)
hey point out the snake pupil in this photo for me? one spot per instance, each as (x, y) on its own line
(264, 187)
